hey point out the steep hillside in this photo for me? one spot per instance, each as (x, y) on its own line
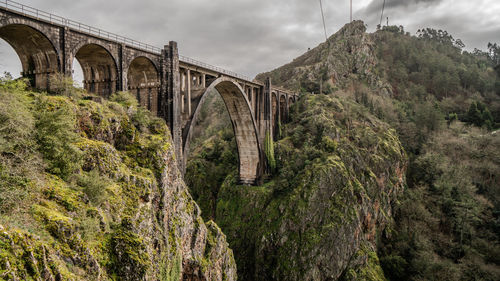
(444, 104)
(339, 170)
(347, 55)
(335, 207)
(89, 190)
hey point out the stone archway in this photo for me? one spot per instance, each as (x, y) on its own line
(99, 69)
(144, 82)
(39, 58)
(244, 127)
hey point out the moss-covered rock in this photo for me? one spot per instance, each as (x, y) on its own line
(338, 172)
(347, 55)
(122, 213)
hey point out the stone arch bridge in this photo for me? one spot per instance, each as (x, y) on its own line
(170, 85)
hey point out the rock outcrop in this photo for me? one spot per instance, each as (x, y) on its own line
(339, 171)
(347, 55)
(138, 223)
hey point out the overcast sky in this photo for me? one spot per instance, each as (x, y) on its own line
(253, 36)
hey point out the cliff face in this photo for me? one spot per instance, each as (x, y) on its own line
(346, 55)
(339, 170)
(123, 213)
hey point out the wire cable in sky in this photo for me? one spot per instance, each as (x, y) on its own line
(382, 15)
(323, 16)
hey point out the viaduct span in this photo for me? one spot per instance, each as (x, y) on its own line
(168, 84)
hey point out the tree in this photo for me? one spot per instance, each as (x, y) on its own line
(494, 53)
(474, 114)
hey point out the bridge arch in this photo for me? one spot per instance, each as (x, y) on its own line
(274, 114)
(283, 109)
(37, 53)
(100, 72)
(244, 127)
(144, 81)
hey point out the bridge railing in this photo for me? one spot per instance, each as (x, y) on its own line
(214, 68)
(55, 19)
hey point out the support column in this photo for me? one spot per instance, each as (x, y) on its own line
(170, 96)
(203, 80)
(188, 91)
(66, 58)
(122, 76)
(183, 91)
(268, 107)
(278, 114)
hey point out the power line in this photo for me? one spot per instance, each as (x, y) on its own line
(323, 16)
(382, 15)
(351, 12)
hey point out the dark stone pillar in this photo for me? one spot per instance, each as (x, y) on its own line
(169, 101)
(66, 66)
(278, 114)
(120, 79)
(268, 107)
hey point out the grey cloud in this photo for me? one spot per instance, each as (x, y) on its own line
(376, 5)
(246, 36)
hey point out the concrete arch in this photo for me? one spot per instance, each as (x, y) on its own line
(274, 114)
(100, 70)
(244, 127)
(144, 81)
(283, 109)
(38, 55)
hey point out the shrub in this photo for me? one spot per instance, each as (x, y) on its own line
(63, 85)
(269, 150)
(16, 121)
(142, 119)
(13, 190)
(9, 85)
(56, 136)
(93, 185)
(124, 98)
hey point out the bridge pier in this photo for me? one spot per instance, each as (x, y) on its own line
(170, 98)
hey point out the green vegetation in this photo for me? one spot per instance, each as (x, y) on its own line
(212, 155)
(272, 226)
(56, 136)
(64, 86)
(269, 150)
(449, 213)
(89, 191)
(443, 104)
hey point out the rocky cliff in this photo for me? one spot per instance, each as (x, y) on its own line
(339, 173)
(122, 210)
(347, 55)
